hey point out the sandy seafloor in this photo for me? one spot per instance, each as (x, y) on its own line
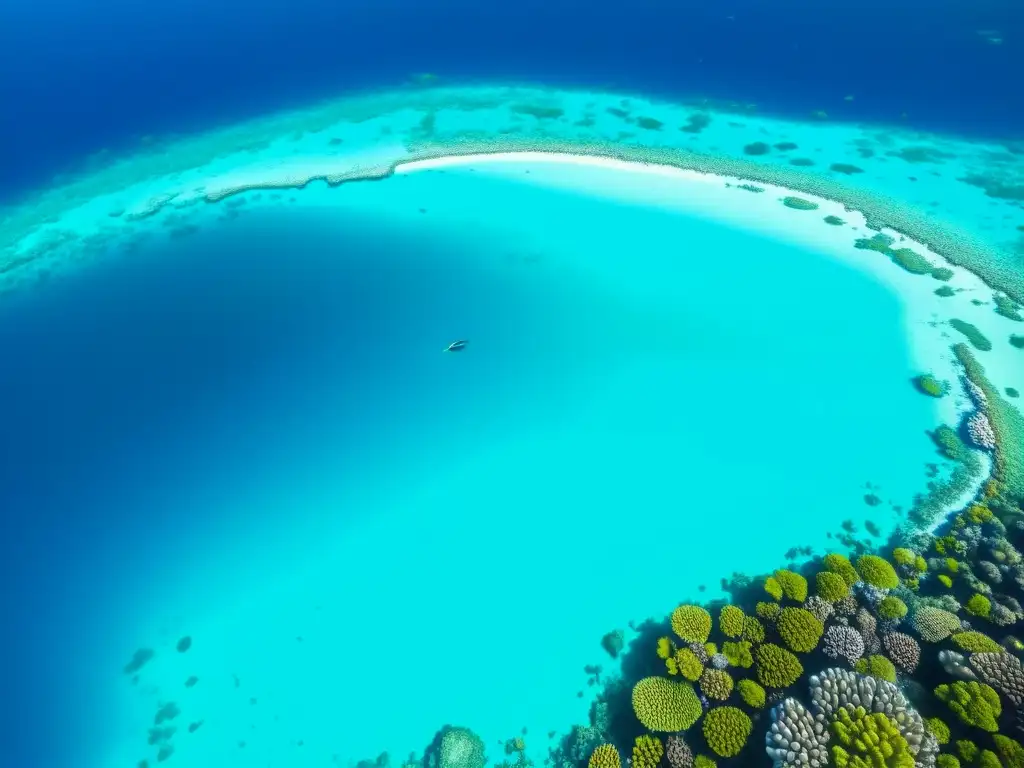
(669, 378)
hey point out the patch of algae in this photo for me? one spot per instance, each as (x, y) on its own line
(27, 232)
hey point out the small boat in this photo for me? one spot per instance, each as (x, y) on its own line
(457, 346)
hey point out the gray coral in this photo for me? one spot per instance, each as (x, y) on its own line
(955, 665)
(842, 642)
(796, 738)
(989, 571)
(678, 752)
(846, 606)
(819, 607)
(1003, 672)
(903, 650)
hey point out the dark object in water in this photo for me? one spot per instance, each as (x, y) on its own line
(457, 346)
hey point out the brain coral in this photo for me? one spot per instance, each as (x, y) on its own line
(974, 703)
(692, 623)
(934, 624)
(799, 629)
(776, 667)
(839, 564)
(647, 752)
(877, 572)
(605, 756)
(716, 684)
(752, 694)
(726, 730)
(794, 586)
(730, 621)
(862, 740)
(663, 705)
(1003, 672)
(831, 586)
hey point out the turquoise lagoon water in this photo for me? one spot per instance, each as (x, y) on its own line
(367, 537)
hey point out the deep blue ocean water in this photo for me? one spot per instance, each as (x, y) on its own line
(77, 78)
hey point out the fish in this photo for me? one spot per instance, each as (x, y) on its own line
(457, 346)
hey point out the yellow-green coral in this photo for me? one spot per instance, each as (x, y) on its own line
(664, 705)
(730, 621)
(892, 607)
(716, 684)
(692, 623)
(1011, 753)
(978, 605)
(988, 759)
(768, 611)
(664, 648)
(773, 588)
(753, 630)
(974, 703)
(831, 586)
(938, 729)
(738, 653)
(799, 629)
(978, 514)
(794, 586)
(687, 664)
(777, 667)
(840, 564)
(952, 565)
(868, 740)
(710, 648)
(751, 693)
(976, 642)
(876, 666)
(945, 580)
(605, 756)
(967, 750)
(703, 761)
(903, 556)
(726, 730)
(946, 761)
(878, 572)
(647, 752)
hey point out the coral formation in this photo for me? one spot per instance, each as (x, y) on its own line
(663, 705)
(862, 740)
(776, 667)
(831, 586)
(716, 684)
(691, 623)
(752, 694)
(605, 756)
(974, 703)
(647, 752)
(726, 730)
(877, 572)
(799, 629)
(730, 621)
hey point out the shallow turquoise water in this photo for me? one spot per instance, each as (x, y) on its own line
(348, 516)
